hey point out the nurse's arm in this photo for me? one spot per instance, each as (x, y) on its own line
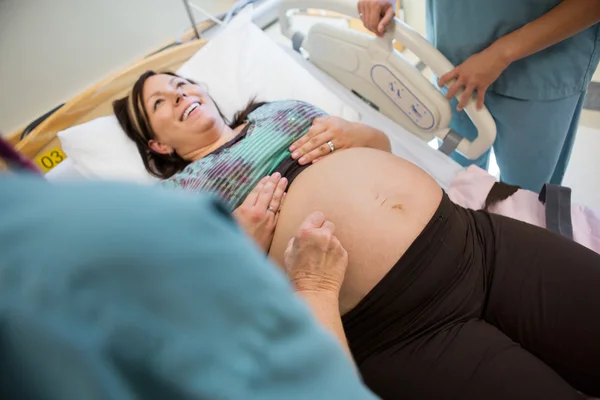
(161, 294)
(565, 20)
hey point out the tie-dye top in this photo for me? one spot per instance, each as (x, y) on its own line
(232, 171)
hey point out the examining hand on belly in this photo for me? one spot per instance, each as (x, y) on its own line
(258, 214)
(425, 280)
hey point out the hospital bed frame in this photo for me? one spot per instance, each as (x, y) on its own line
(39, 140)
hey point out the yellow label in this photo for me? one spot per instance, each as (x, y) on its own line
(50, 159)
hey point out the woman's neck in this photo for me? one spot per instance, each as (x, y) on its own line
(226, 135)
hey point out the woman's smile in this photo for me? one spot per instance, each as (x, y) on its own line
(190, 110)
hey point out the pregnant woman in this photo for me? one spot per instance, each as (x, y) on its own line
(436, 301)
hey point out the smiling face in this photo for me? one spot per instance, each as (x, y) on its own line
(182, 115)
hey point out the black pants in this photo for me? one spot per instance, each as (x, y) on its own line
(482, 307)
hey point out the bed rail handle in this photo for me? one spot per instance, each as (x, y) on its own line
(429, 55)
(29, 128)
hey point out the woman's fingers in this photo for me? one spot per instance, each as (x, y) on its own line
(316, 146)
(266, 194)
(250, 200)
(316, 129)
(319, 152)
(278, 195)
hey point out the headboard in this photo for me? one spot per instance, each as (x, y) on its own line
(97, 100)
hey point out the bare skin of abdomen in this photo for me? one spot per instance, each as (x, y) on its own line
(379, 204)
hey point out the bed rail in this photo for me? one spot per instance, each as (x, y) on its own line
(418, 45)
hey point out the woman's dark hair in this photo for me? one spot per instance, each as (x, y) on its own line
(133, 118)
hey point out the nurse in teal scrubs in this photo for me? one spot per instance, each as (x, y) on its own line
(530, 61)
(114, 291)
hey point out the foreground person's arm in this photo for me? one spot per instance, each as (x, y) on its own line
(316, 263)
(136, 292)
(325, 307)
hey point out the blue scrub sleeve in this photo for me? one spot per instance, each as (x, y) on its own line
(111, 291)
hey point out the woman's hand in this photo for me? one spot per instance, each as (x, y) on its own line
(376, 14)
(316, 143)
(315, 260)
(476, 74)
(259, 212)
(328, 134)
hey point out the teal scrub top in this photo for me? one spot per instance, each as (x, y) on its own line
(461, 28)
(111, 291)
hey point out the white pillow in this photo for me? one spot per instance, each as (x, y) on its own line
(100, 149)
(239, 63)
(243, 62)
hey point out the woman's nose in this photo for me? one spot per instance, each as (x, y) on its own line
(179, 97)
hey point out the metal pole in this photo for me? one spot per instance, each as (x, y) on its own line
(191, 17)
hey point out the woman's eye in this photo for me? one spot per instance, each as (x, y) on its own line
(181, 83)
(157, 102)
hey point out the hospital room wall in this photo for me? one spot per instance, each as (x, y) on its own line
(52, 50)
(414, 14)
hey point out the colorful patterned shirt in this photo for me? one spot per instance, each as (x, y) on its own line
(232, 171)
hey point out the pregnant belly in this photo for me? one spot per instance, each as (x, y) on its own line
(379, 204)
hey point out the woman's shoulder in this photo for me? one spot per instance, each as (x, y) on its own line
(274, 108)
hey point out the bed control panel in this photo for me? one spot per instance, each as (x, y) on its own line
(367, 66)
(402, 96)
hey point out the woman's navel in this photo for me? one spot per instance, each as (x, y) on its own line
(389, 202)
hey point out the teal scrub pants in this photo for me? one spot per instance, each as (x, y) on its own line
(534, 139)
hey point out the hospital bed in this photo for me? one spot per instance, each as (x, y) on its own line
(263, 52)
(343, 71)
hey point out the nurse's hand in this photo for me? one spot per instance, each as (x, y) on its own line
(259, 212)
(376, 14)
(315, 260)
(474, 76)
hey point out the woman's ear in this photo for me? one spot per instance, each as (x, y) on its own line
(160, 148)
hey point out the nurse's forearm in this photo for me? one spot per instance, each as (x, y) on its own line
(325, 308)
(563, 21)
